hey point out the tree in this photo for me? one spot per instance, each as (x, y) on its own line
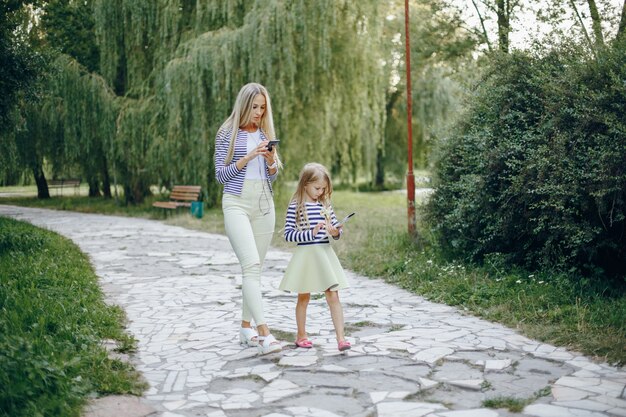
(439, 48)
(69, 27)
(622, 24)
(596, 23)
(504, 12)
(22, 66)
(602, 16)
(169, 86)
(179, 82)
(20, 62)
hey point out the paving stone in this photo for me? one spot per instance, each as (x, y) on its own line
(568, 394)
(453, 397)
(322, 405)
(432, 355)
(454, 371)
(298, 360)
(480, 412)
(584, 404)
(473, 384)
(546, 410)
(497, 365)
(181, 291)
(406, 409)
(116, 406)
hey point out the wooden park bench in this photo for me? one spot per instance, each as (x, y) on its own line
(62, 183)
(181, 196)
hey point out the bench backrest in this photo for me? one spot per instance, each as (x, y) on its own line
(185, 192)
(68, 182)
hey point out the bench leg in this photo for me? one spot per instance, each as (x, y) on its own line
(164, 213)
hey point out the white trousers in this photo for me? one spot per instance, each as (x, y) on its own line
(249, 221)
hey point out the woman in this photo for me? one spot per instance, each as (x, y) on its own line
(247, 168)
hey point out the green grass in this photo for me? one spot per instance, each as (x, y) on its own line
(52, 326)
(551, 307)
(513, 404)
(82, 204)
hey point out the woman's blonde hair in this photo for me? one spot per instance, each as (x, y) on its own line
(311, 172)
(242, 116)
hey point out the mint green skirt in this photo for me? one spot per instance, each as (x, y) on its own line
(314, 268)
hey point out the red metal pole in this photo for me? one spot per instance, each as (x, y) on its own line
(410, 178)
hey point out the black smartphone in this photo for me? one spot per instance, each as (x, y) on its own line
(345, 219)
(271, 144)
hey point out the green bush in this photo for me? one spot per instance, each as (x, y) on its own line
(536, 171)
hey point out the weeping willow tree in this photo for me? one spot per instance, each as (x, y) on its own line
(169, 71)
(81, 111)
(180, 64)
(69, 127)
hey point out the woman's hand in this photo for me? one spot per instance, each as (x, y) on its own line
(261, 149)
(270, 156)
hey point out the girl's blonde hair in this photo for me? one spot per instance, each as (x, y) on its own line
(311, 172)
(242, 116)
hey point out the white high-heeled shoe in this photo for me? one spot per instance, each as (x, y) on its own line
(248, 337)
(268, 344)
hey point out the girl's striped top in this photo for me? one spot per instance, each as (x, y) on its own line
(229, 175)
(305, 237)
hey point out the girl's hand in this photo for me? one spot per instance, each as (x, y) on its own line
(317, 228)
(332, 230)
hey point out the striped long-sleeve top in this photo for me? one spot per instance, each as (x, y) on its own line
(229, 174)
(305, 237)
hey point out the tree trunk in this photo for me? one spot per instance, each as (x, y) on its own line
(379, 177)
(94, 187)
(42, 184)
(482, 25)
(582, 24)
(503, 25)
(622, 24)
(106, 180)
(596, 23)
(136, 192)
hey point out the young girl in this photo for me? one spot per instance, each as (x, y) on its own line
(314, 266)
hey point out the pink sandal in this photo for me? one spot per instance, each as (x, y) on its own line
(304, 343)
(344, 345)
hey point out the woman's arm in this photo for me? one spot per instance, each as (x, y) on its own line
(223, 172)
(272, 166)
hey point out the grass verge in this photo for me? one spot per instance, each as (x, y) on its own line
(52, 327)
(548, 306)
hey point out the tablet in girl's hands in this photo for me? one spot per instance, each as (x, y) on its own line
(345, 219)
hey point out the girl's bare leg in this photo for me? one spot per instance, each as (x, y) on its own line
(336, 313)
(301, 306)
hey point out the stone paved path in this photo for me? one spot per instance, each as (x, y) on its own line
(181, 292)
